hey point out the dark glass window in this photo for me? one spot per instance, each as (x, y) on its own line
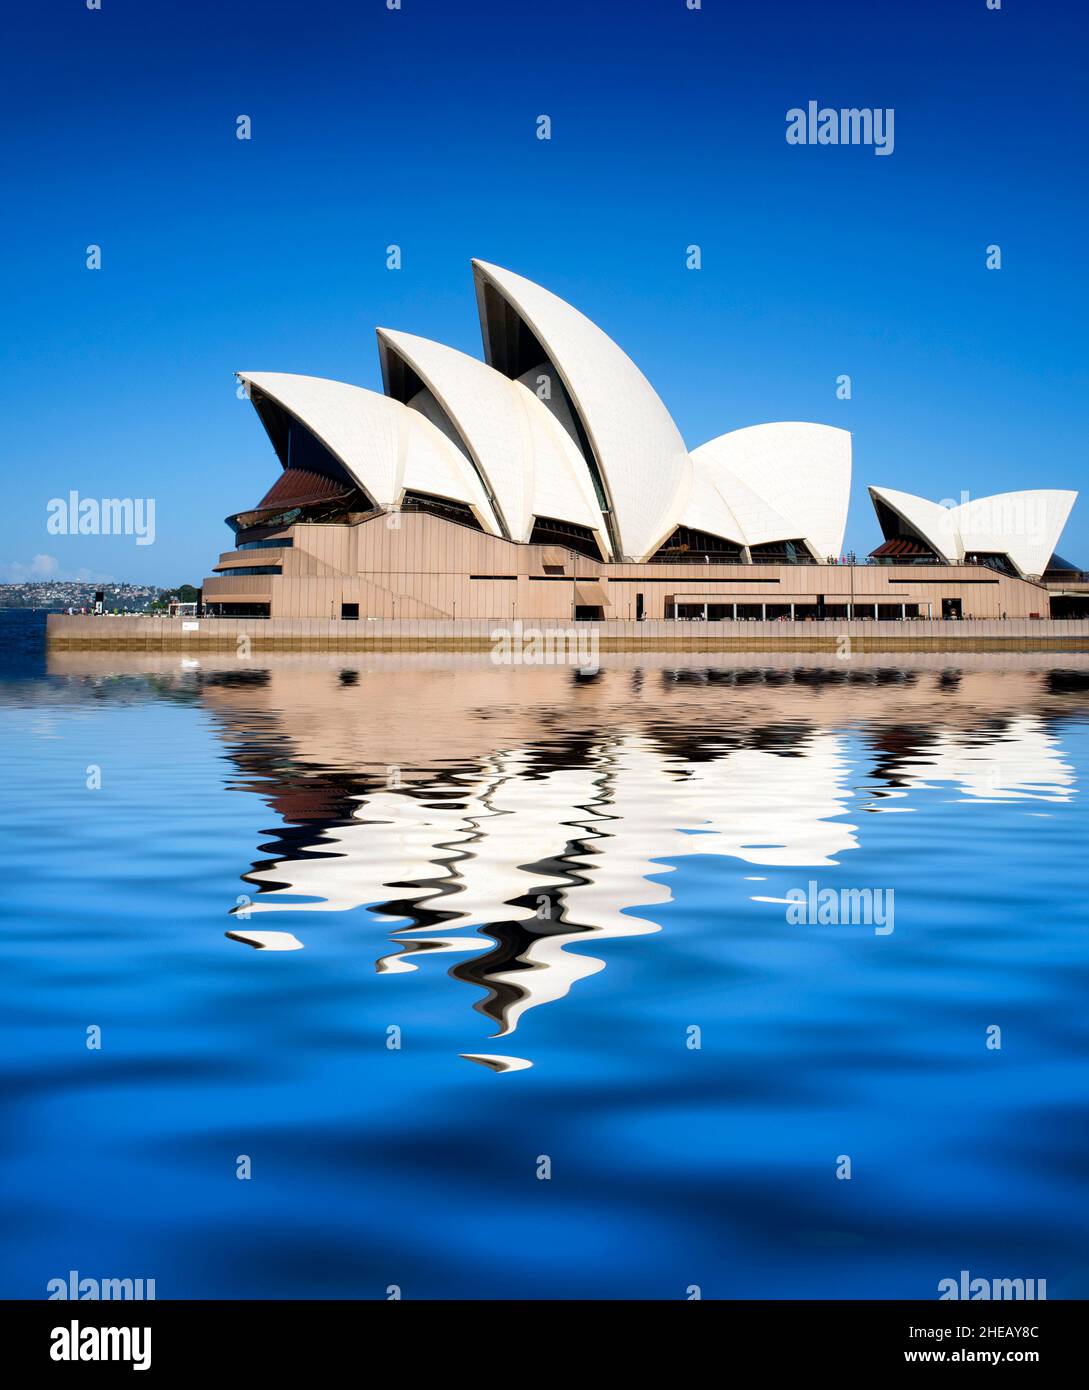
(236, 610)
(1000, 563)
(686, 545)
(449, 510)
(782, 553)
(548, 531)
(230, 571)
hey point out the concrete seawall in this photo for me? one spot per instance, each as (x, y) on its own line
(83, 633)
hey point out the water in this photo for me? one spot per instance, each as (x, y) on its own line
(543, 884)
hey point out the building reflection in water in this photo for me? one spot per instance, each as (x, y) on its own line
(516, 820)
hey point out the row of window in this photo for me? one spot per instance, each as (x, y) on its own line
(690, 612)
(770, 612)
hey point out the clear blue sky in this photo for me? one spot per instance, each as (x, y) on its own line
(418, 127)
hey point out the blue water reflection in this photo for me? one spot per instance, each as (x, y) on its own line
(545, 890)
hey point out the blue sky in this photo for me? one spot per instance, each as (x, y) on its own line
(417, 127)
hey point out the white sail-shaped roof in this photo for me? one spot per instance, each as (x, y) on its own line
(722, 505)
(636, 448)
(790, 480)
(932, 522)
(524, 457)
(1025, 526)
(387, 448)
(707, 509)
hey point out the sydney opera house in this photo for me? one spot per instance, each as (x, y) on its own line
(548, 481)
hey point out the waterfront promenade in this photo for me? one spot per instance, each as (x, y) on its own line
(85, 633)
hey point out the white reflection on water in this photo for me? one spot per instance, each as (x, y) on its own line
(1022, 762)
(267, 940)
(533, 816)
(492, 856)
(496, 1062)
(511, 862)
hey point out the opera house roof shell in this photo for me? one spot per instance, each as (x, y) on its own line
(1022, 527)
(556, 429)
(556, 436)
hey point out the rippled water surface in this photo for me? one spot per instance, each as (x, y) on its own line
(400, 933)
